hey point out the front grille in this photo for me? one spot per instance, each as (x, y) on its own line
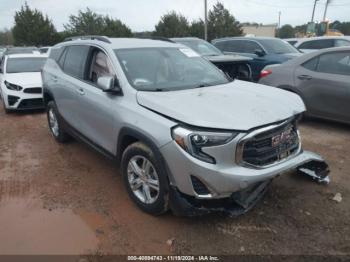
(199, 187)
(271, 146)
(33, 90)
(31, 103)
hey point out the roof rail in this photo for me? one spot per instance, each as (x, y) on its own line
(160, 38)
(89, 37)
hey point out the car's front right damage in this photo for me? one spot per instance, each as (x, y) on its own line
(243, 170)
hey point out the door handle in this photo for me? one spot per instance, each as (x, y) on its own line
(81, 91)
(305, 77)
(54, 78)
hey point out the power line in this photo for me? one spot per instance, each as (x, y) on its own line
(277, 6)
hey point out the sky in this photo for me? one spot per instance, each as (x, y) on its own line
(142, 15)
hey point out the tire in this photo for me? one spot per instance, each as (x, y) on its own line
(56, 128)
(157, 202)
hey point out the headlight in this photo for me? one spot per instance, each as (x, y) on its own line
(193, 141)
(12, 86)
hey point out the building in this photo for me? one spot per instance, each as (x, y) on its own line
(260, 30)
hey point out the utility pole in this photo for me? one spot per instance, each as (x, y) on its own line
(313, 11)
(325, 10)
(279, 19)
(205, 20)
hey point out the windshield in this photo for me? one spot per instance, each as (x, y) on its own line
(24, 64)
(200, 46)
(168, 69)
(277, 46)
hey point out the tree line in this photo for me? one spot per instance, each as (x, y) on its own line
(33, 28)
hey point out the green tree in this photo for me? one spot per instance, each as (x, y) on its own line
(286, 31)
(90, 23)
(222, 23)
(197, 28)
(115, 28)
(343, 27)
(33, 28)
(6, 37)
(172, 25)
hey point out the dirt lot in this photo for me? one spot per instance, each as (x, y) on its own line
(67, 199)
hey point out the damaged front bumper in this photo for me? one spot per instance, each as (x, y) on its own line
(242, 201)
(237, 204)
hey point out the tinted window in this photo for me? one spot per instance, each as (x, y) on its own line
(341, 42)
(23, 65)
(335, 63)
(235, 46)
(221, 45)
(56, 53)
(317, 44)
(251, 47)
(292, 42)
(311, 64)
(200, 46)
(167, 69)
(277, 46)
(75, 61)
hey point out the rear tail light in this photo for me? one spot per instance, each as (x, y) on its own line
(265, 73)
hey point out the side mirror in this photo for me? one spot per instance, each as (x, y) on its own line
(259, 52)
(109, 84)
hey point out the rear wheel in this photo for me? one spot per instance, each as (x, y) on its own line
(55, 124)
(145, 179)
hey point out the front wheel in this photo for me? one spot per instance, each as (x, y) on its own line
(145, 179)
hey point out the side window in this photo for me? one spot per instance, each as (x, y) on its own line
(341, 42)
(250, 47)
(55, 53)
(221, 45)
(2, 64)
(100, 66)
(317, 44)
(75, 60)
(311, 64)
(62, 57)
(335, 63)
(234, 46)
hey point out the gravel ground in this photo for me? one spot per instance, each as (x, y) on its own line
(67, 199)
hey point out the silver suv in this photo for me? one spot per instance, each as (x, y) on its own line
(187, 137)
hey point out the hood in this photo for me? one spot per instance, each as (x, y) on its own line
(238, 105)
(32, 79)
(227, 58)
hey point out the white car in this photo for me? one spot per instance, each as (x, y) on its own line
(308, 45)
(20, 81)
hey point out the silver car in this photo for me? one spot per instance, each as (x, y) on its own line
(186, 137)
(321, 79)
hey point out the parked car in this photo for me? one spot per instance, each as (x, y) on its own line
(291, 41)
(21, 50)
(44, 49)
(307, 45)
(236, 66)
(264, 51)
(186, 136)
(20, 82)
(320, 78)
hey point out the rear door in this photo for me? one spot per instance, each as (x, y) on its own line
(324, 83)
(68, 82)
